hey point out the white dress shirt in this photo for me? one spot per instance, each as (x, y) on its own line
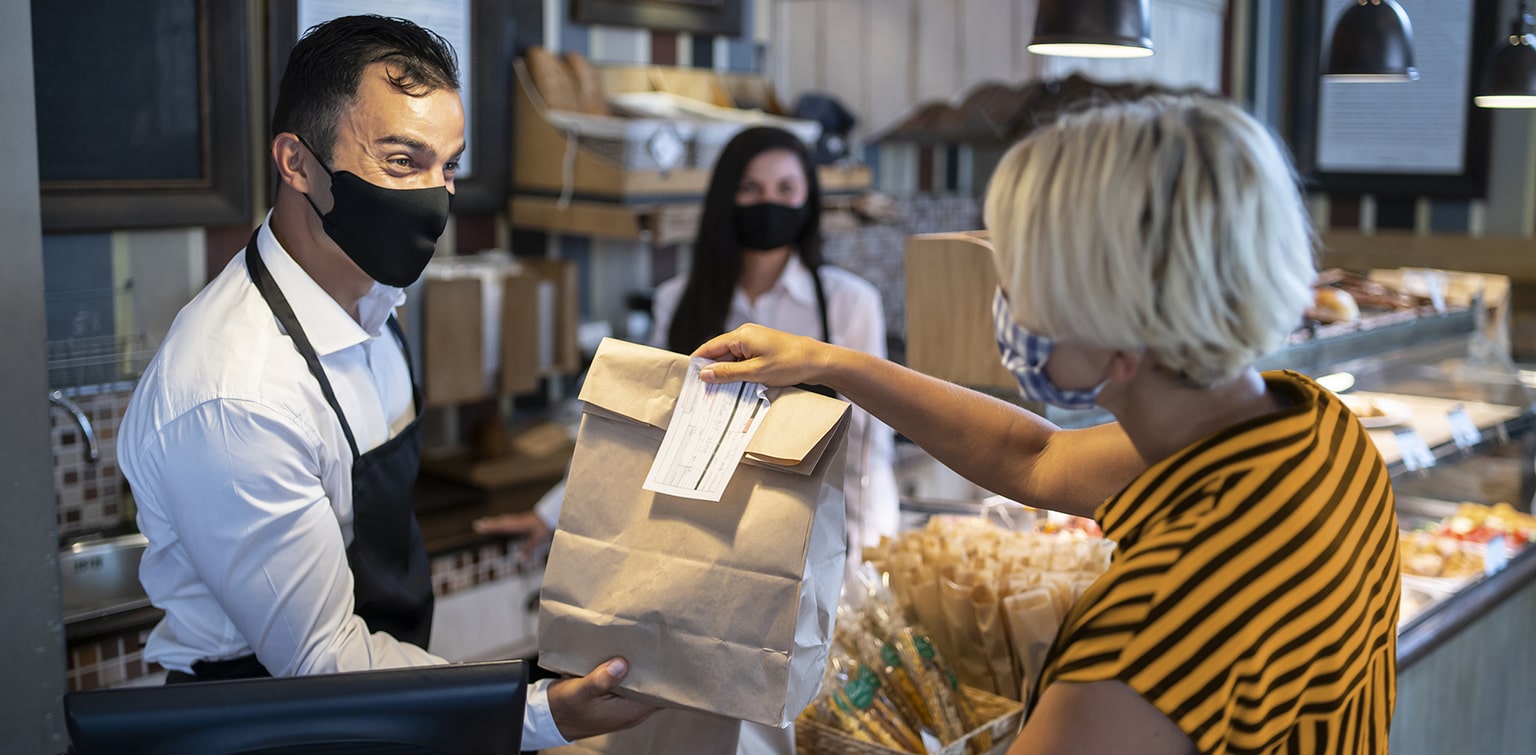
(856, 320)
(242, 477)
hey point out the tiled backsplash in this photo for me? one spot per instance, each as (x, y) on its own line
(111, 661)
(117, 660)
(455, 572)
(89, 494)
(878, 252)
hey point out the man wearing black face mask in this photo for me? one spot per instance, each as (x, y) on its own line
(273, 442)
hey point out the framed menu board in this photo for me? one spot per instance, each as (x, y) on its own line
(141, 113)
(1422, 138)
(697, 16)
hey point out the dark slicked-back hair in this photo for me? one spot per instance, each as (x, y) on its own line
(326, 66)
(706, 299)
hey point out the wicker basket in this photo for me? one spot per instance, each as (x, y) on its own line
(1002, 715)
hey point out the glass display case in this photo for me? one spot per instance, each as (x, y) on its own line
(1451, 416)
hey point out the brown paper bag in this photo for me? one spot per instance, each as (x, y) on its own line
(725, 607)
(994, 638)
(969, 661)
(1032, 626)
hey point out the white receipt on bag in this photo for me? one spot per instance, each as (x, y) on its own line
(711, 426)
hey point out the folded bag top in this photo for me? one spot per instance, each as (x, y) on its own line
(641, 384)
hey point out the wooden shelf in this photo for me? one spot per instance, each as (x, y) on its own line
(659, 224)
(603, 198)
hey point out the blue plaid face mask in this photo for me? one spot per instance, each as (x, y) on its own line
(1025, 353)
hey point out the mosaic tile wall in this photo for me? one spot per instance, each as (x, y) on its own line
(877, 252)
(89, 495)
(117, 660)
(456, 572)
(112, 661)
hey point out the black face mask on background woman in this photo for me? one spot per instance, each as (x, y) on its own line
(765, 226)
(390, 233)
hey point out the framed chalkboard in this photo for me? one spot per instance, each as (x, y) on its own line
(1421, 138)
(141, 113)
(486, 65)
(697, 16)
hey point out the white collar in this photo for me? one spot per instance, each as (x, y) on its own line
(795, 280)
(329, 328)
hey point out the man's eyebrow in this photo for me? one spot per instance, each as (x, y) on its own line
(418, 145)
(405, 141)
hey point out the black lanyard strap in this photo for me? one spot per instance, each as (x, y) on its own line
(821, 305)
(280, 307)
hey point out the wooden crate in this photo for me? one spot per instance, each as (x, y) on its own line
(950, 283)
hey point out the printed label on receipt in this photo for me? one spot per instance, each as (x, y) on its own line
(710, 429)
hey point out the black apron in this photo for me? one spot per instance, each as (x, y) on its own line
(826, 333)
(391, 577)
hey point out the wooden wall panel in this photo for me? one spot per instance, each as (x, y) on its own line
(796, 47)
(1026, 65)
(891, 89)
(844, 37)
(987, 41)
(935, 59)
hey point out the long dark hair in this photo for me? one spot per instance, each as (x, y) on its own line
(706, 300)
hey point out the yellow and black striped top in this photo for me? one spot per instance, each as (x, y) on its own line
(1253, 598)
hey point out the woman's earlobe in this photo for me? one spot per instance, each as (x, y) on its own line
(1125, 364)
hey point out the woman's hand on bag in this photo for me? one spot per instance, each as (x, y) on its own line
(764, 355)
(587, 707)
(527, 525)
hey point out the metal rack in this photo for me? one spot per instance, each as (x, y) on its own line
(88, 365)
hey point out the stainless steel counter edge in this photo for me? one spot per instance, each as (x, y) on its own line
(1444, 620)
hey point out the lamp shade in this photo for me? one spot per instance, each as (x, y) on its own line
(1093, 28)
(1509, 75)
(1373, 41)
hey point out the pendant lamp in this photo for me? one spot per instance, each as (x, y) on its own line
(1093, 28)
(1509, 74)
(1373, 41)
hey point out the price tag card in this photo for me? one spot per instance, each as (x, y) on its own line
(1415, 452)
(1463, 431)
(1496, 557)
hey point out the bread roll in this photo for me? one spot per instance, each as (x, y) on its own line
(1333, 305)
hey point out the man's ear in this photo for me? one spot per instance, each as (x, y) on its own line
(294, 166)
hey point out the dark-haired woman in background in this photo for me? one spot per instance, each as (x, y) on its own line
(757, 259)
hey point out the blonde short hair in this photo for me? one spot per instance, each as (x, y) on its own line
(1173, 224)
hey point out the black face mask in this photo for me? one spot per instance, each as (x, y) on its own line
(765, 226)
(389, 233)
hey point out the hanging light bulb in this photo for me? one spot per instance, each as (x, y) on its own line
(1509, 74)
(1093, 29)
(1373, 41)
